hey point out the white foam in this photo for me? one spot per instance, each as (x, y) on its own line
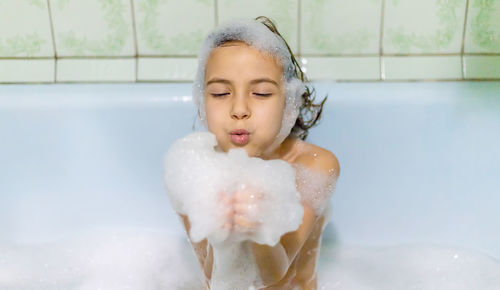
(316, 188)
(101, 258)
(195, 174)
(428, 267)
(134, 258)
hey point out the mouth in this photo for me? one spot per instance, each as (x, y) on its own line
(240, 136)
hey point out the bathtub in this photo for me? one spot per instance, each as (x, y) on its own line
(82, 204)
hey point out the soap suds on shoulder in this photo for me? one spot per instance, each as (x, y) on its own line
(315, 187)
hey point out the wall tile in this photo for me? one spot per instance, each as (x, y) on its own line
(333, 26)
(482, 67)
(425, 26)
(483, 27)
(422, 67)
(96, 70)
(26, 70)
(338, 40)
(93, 27)
(172, 27)
(282, 12)
(25, 29)
(167, 69)
(342, 68)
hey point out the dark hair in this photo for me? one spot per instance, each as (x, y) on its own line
(310, 113)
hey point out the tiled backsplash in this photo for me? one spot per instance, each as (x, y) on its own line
(158, 40)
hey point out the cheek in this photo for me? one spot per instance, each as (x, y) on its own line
(214, 117)
(273, 115)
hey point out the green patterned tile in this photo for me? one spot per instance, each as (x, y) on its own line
(483, 27)
(25, 29)
(425, 26)
(26, 70)
(482, 67)
(422, 67)
(93, 27)
(172, 27)
(166, 69)
(342, 68)
(333, 26)
(282, 12)
(96, 70)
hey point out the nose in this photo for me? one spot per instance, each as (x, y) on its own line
(240, 109)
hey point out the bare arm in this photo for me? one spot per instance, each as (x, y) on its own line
(275, 261)
(204, 255)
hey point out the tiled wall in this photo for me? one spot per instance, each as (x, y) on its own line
(158, 40)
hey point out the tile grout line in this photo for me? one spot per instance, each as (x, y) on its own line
(462, 48)
(381, 42)
(496, 80)
(299, 27)
(134, 29)
(53, 40)
(319, 55)
(332, 55)
(216, 13)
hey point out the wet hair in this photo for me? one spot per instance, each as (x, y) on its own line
(310, 112)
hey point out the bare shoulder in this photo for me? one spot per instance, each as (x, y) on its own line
(317, 158)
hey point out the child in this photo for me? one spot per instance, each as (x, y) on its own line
(250, 94)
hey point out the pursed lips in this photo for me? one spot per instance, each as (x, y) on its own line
(240, 136)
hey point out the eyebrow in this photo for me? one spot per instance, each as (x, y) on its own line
(255, 81)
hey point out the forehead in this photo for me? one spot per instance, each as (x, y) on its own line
(236, 55)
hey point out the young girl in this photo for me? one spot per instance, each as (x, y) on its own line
(250, 94)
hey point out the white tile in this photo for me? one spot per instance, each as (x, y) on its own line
(283, 13)
(333, 26)
(172, 27)
(25, 29)
(96, 70)
(424, 26)
(482, 67)
(422, 67)
(26, 70)
(483, 27)
(93, 28)
(342, 68)
(167, 69)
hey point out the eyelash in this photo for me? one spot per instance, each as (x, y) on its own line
(261, 95)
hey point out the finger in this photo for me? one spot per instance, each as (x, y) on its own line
(228, 226)
(244, 208)
(247, 196)
(224, 198)
(241, 221)
(229, 212)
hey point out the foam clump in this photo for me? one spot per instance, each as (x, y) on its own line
(429, 267)
(133, 258)
(195, 174)
(108, 258)
(316, 189)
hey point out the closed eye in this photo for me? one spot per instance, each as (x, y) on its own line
(220, 95)
(263, 95)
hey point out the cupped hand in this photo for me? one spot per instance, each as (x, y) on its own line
(242, 209)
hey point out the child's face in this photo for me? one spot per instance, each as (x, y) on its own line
(237, 97)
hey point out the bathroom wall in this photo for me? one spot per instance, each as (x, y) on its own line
(47, 41)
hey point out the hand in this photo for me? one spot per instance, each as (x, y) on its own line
(242, 212)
